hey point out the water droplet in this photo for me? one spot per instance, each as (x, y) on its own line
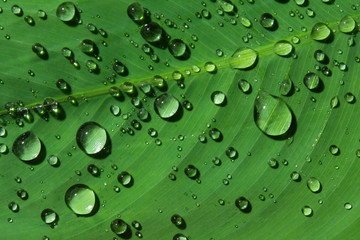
(41, 14)
(115, 110)
(349, 98)
(53, 161)
(27, 146)
(314, 185)
(218, 98)
(22, 194)
(307, 211)
(67, 53)
(180, 236)
(273, 163)
(243, 204)
(268, 21)
(49, 216)
(3, 132)
(152, 32)
(88, 47)
(125, 179)
(80, 199)
(178, 48)
(245, 22)
(348, 206)
(312, 81)
(29, 20)
(192, 172)
(178, 221)
(320, 32)
(215, 134)
(320, 56)
(243, 58)
(347, 24)
(167, 106)
(286, 86)
(136, 12)
(15, 9)
(334, 150)
(119, 227)
(40, 51)
(244, 86)
(283, 48)
(91, 138)
(210, 67)
(13, 206)
(93, 170)
(63, 86)
(272, 116)
(227, 6)
(66, 11)
(231, 153)
(300, 2)
(295, 176)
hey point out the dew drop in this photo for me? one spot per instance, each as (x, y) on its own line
(80, 199)
(218, 98)
(314, 185)
(272, 116)
(166, 106)
(27, 146)
(91, 138)
(243, 58)
(347, 24)
(243, 204)
(307, 211)
(311, 81)
(320, 32)
(49, 216)
(152, 32)
(119, 227)
(66, 11)
(283, 48)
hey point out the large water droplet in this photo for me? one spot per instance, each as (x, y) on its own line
(27, 146)
(166, 106)
(243, 204)
(180, 236)
(88, 47)
(311, 81)
(218, 98)
(227, 6)
(66, 11)
(49, 216)
(91, 138)
(283, 48)
(152, 32)
(272, 116)
(178, 48)
(347, 24)
(125, 179)
(178, 221)
(136, 12)
(119, 227)
(40, 51)
(268, 21)
(243, 58)
(286, 86)
(320, 32)
(192, 172)
(307, 211)
(314, 185)
(80, 199)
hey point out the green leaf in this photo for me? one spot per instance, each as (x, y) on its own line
(85, 156)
